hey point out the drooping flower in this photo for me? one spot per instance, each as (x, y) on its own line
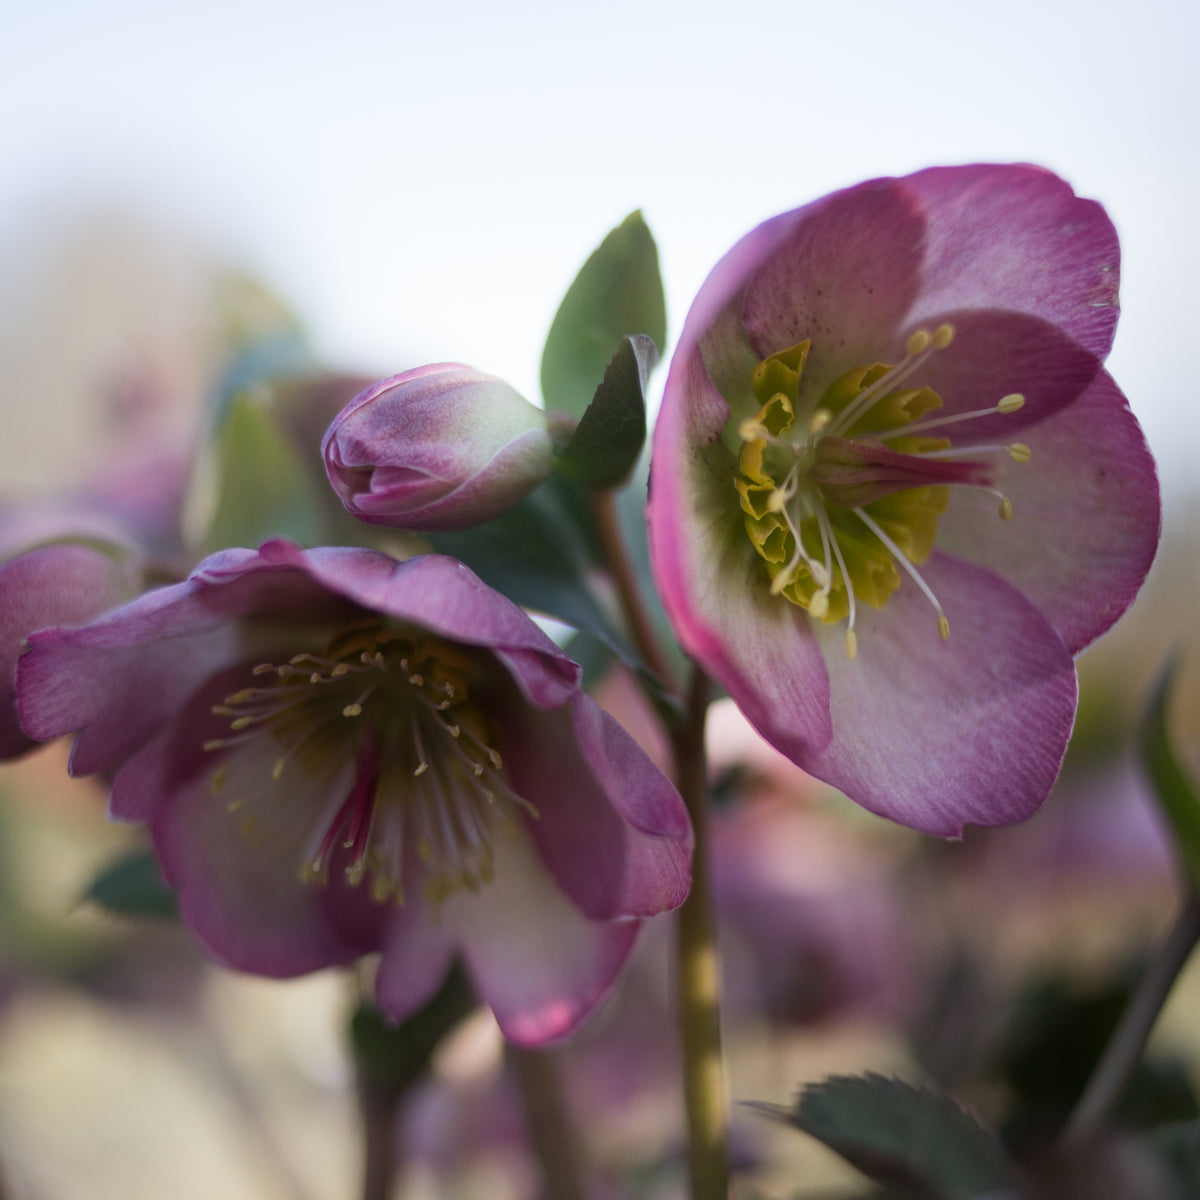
(338, 753)
(887, 419)
(439, 447)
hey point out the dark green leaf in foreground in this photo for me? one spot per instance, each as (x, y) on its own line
(617, 293)
(610, 435)
(916, 1143)
(1176, 795)
(132, 886)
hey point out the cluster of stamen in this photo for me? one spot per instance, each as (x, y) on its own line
(382, 727)
(839, 491)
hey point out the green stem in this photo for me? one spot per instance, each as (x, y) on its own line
(378, 1108)
(1125, 1047)
(620, 567)
(547, 1117)
(699, 970)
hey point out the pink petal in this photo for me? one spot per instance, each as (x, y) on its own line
(542, 966)
(844, 278)
(53, 585)
(1017, 237)
(938, 734)
(1085, 520)
(612, 830)
(711, 580)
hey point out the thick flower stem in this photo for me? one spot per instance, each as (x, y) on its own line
(616, 557)
(548, 1119)
(1124, 1049)
(699, 970)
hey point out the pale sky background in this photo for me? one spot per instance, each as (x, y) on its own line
(422, 184)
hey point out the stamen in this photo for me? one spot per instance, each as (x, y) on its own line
(1019, 452)
(1009, 404)
(902, 559)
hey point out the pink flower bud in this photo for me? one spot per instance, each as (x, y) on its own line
(438, 447)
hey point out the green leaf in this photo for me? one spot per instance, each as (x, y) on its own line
(915, 1142)
(605, 446)
(617, 293)
(262, 488)
(538, 555)
(1176, 795)
(131, 886)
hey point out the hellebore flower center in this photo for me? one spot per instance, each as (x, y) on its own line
(398, 707)
(838, 490)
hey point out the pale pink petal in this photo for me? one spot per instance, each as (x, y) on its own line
(939, 734)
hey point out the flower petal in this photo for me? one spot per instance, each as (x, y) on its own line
(1086, 516)
(938, 734)
(1017, 237)
(611, 829)
(52, 585)
(540, 964)
(845, 277)
(711, 581)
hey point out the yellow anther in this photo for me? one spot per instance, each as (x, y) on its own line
(263, 669)
(352, 710)
(1010, 403)
(943, 627)
(277, 769)
(420, 769)
(240, 697)
(234, 805)
(750, 430)
(381, 888)
(417, 680)
(943, 335)
(219, 778)
(241, 723)
(1005, 508)
(819, 420)
(776, 501)
(780, 582)
(851, 644)
(494, 755)
(424, 850)
(918, 341)
(818, 606)
(355, 872)
(214, 744)
(454, 730)
(340, 670)
(222, 710)
(1019, 452)
(315, 677)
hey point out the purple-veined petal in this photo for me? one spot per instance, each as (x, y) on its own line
(940, 734)
(712, 582)
(1017, 237)
(844, 278)
(240, 890)
(611, 828)
(53, 585)
(537, 961)
(1085, 520)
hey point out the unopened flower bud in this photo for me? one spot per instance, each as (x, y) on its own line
(439, 447)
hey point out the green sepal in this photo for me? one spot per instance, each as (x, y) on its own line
(917, 1143)
(261, 486)
(132, 886)
(608, 440)
(1176, 795)
(617, 293)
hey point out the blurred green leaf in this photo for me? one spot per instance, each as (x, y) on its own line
(1177, 1145)
(917, 1143)
(262, 487)
(611, 433)
(617, 293)
(132, 886)
(1176, 795)
(538, 555)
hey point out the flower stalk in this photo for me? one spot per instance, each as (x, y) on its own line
(548, 1118)
(699, 969)
(1125, 1047)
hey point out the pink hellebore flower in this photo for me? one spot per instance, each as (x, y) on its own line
(338, 753)
(886, 420)
(438, 447)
